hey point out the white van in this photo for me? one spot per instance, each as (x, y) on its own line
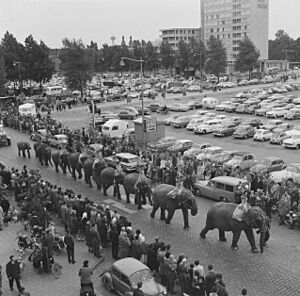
(209, 103)
(114, 128)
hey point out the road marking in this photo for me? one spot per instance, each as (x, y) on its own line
(123, 207)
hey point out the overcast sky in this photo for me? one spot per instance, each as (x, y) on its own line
(98, 20)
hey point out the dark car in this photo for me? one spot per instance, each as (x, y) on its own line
(194, 105)
(124, 274)
(147, 111)
(126, 114)
(225, 130)
(253, 122)
(154, 107)
(268, 164)
(114, 97)
(244, 132)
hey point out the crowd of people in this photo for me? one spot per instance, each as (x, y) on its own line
(100, 227)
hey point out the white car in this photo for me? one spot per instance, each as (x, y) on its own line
(276, 112)
(221, 107)
(210, 152)
(58, 141)
(194, 122)
(262, 135)
(293, 142)
(208, 127)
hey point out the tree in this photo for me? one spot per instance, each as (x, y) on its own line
(2, 75)
(216, 61)
(167, 55)
(13, 52)
(74, 64)
(37, 63)
(198, 54)
(247, 59)
(183, 56)
(278, 48)
(152, 62)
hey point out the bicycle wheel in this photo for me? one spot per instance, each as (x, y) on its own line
(56, 269)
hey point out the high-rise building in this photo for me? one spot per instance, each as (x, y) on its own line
(232, 20)
(174, 35)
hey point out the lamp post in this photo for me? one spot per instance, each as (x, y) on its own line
(20, 77)
(141, 61)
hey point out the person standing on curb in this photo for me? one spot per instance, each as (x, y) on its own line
(85, 274)
(69, 242)
(13, 273)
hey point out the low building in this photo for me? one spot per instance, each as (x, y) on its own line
(174, 35)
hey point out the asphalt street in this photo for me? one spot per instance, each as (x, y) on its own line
(275, 272)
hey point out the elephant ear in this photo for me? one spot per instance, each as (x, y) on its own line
(254, 217)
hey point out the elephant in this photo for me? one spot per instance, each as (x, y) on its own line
(87, 164)
(98, 166)
(43, 153)
(60, 159)
(75, 165)
(161, 198)
(129, 184)
(24, 146)
(220, 216)
(107, 179)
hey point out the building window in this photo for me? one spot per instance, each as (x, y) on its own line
(246, 27)
(223, 22)
(218, 30)
(228, 35)
(193, 31)
(211, 30)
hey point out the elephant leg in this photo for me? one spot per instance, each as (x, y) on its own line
(56, 167)
(210, 225)
(235, 238)
(185, 214)
(104, 190)
(154, 209)
(23, 153)
(251, 240)
(170, 215)
(28, 153)
(89, 181)
(64, 168)
(222, 237)
(162, 214)
(117, 191)
(150, 199)
(128, 196)
(19, 152)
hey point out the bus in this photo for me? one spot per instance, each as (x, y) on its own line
(54, 90)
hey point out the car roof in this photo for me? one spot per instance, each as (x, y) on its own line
(183, 141)
(96, 146)
(241, 153)
(271, 158)
(126, 155)
(229, 180)
(128, 265)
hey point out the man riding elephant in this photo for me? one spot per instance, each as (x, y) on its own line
(24, 146)
(230, 217)
(43, 153)
(60, 159)
(170, 198)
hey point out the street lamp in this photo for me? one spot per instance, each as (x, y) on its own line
(20, 77)
(141, 61)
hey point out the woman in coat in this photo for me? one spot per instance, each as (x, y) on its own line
(123, 244)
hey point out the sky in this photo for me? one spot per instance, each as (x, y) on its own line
(98, 20)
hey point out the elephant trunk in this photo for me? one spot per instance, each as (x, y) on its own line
(194, 211)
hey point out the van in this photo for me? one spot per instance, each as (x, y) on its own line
(114, 128)
(209, 103)
(220, 188)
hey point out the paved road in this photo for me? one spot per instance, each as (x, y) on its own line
(275, 272)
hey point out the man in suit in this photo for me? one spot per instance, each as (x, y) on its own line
(13, 273)
(209, 280)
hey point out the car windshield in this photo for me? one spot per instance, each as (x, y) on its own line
(293, 169)
(140, 276)
(132, 160)
(266, 162)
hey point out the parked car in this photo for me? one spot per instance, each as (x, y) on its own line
(276, 112)
(168, 120)
(262, 135)
(272, 124)
(210, 153)
(126, 114)
(122, 277)
(278, 137)
(292, 142)
(40, 135)
(57, 141)
(94, 150)
(194, 105)
(231, 107)
(268, 164)
(207, 127)
(194, 122)
(241, 160)
(195, 150)
(241, 108)
(244, 132)
(292, 114)
(147, 111)
(177, 107)
(129, 162)
(263, 110)
(222, 106)
(226, 129)
(181, 146)
(154, 107)
(4, 138)
(163, 143)
(254, 122)
(292, 170)
(181, 121)
(220, 188)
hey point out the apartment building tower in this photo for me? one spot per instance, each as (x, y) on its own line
(232, 20)
(174, 35)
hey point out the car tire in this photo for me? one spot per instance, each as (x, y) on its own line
(8, 142)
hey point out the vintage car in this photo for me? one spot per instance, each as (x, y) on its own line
(272, 124)
(292, 114)
(168, 120)
(194, 105)
(242, 160)
(268, 164)
(40, 135)
(129, 162)
(126, 114)
(210, 153)
(255, 122)
(220, 188)
(58, 141)
(94, 150)
(162, 144)
(195, 150)
(262, 135)
(177, 107)
(276, 112)
(207, 127)
(181, 146)
(122, 277)
(226, 129)
(244, 132)
(194, 122)
(292, 170)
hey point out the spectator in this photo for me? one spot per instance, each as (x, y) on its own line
(209, 280)
(13, 273)
(69, 242)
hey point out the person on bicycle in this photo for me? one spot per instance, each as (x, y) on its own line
(85, 274)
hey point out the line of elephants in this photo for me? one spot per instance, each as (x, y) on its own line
(218, 216)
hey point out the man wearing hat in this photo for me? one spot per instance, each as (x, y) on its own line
(138, 291)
